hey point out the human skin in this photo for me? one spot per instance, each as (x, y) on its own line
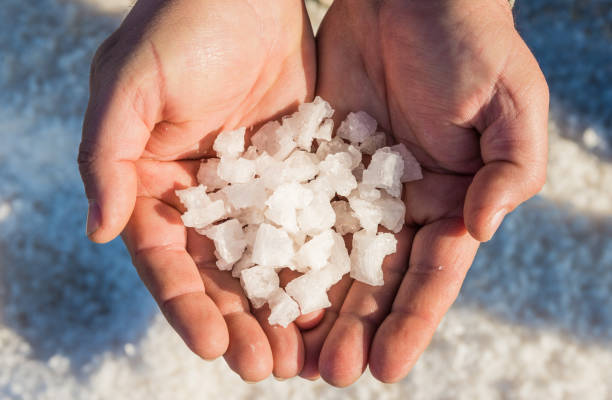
(162, 86)
(454, 82)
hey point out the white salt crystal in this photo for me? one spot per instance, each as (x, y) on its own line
(251, 153)
(369, 251)
(315, 253)
(207, 175)
(283, 309)
(300, 166)
(229, 240)
(284, 202)
(373, 143)
(306, 121)
(357, 127)
(309, 292)
(258, 283)
(222, 265)
(369, 213)
(338, 265)
(322, 185)
(238, 170)
(346, 221)
(230, 143)
(250, 233)
(324, 133)
(230, 211)
(202, 217)
(273, 140)
(193, 197)
(385, 170)
(394, 212)
(412, 168)
(299, 238)
(268, 169)
(273, 247)
(317, 217)
(368, 192)
(251, 216)
(245, 262)
(245, 195)
(337, 168)
(336, 145)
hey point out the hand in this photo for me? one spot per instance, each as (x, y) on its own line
(454, 82)
(173, 75)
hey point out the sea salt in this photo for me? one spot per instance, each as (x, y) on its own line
(369, 251)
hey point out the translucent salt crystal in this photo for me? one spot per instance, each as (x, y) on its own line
(300, 166)
(337, 169)
(317, 217)
(230, 211)
(283, 309)
(315, 253)
(357, 127)
(251, 216)
(245, 195)
(284, 202)
(338, 265)
(394, 212)
(250, 233)
(369, 251)
(346, 221)
(251, 153)
(367, 212)
(230, 143)
(325, 148)
(299, 238)
(322, 186)
(238, 170)
(309, 292)
(274, 141)
(222, 265)
(193, 197)
(373, 143)
(305, 123)
(368, 192)
(355, 156)
(324, 133)
(258, 283)
(268, 169)
(358, 172)
(202, 217)
(207, 175)
(273, 247)
(245, 262)
(229, 240)
(385, 171)
(412, 168)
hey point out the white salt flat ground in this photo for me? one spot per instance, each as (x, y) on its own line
(534, 320)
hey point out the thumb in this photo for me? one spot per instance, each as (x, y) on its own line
(114, 136)
(513, 146)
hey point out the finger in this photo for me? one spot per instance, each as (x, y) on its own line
(315, 337)
(344, 355)
(249, 353)
(286, 344)
(442, 253)
(155, 238)
(513, 146)
(115, 132)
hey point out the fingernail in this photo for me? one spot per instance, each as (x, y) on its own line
(279, 379)
(497, 220)
(249, 382)
(93, 217)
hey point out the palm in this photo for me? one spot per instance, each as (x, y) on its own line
(430, 79)
(209, 67)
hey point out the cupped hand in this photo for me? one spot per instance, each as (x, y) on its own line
(173, 75)
(454, 82)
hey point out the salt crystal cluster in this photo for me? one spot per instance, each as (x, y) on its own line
(288, 200)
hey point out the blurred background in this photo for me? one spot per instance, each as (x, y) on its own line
(534, 318)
